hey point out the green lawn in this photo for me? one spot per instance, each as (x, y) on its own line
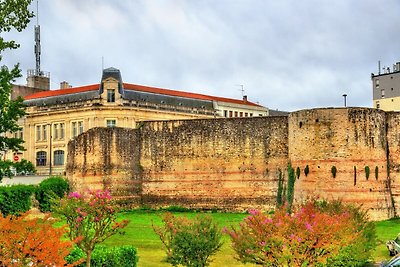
(140, 234)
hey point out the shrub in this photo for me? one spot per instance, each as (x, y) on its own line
(333, 171)
(15, 199)
(298, 172)
(306, 170)
(187, 242)
(32, 242)
(279, 195)
(177, 208)
(359, 251)
(290, 187)
(124, 256)
(50, 189)
(312, 236)
(91, 218)
(367, 172)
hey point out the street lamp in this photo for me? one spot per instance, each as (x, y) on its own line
(51, 139)
(345, 96)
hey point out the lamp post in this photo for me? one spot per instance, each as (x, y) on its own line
(345, 103)
(50, 158)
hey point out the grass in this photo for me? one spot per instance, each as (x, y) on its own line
(140, 234)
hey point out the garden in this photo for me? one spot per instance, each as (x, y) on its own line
(74, 228)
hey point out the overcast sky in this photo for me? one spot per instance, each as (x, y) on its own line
(288, 55)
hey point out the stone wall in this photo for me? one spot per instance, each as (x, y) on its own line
(107, 158)
(233, 164)
(216, 163)
(349, 140)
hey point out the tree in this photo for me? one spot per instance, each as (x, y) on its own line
(28, 241)
(14, 14)
(189, 243)
(313, 235)
(91, 219)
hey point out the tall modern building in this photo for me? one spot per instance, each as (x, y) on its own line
(54, 117)
(386, 88)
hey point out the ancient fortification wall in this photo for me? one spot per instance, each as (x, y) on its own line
(233, 164)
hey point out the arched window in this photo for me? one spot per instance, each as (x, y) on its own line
(58, 157)
(41, 158)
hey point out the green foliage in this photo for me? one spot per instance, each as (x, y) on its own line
(317, 234)
(298, 172)
(290, 187)
(187, 242)
(359, 251)
(306, 170)
(376, 172)
(177, 208)
(15, 199)
(123, 256)
(367, 171)
(355, 175)
(91, 219)
(50, 190)
(24, 167)
(279, 195)
(14, 14)
(333, 171)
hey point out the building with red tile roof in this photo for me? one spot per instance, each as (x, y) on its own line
(54, 117)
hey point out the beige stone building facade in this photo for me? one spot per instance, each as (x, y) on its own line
(54, 117)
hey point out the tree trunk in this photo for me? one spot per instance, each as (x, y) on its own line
(88, 258)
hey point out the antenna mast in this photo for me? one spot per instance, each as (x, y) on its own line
(37, 40)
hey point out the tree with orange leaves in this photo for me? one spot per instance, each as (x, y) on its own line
(28, 241)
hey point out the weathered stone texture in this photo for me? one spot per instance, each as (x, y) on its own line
(233, 164)
(216, 163)
(349, 140)
(106, 158)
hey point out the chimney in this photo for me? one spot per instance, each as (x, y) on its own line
(245, 98)
(64, 85)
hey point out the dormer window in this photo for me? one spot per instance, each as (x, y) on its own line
(110, 95)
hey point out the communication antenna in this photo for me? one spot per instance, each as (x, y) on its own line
(37, 40)
(242, 89)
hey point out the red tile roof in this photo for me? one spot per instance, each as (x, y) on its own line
(162, 91)
(67, 91)
(140, 88)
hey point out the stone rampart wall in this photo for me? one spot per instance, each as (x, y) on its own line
(233, 164)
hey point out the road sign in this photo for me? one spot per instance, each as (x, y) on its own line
(16, 157)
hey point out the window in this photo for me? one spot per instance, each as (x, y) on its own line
(58, 157)
(240, 114)
(230, 113)
(251, 114)
(236, 113)
(38, 132)
(377, 83)
(111, 123)
(225, 113)
(383, 93)
(41, 158)
(246, 114)
(80, 126)
(110, 95)
(74, 129)
(19, 134)
(44, 127)
(377, 104)
(62, 130)
(56, 131)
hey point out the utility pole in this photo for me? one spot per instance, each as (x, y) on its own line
(345, 100)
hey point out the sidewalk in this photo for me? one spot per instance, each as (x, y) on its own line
(28, 179)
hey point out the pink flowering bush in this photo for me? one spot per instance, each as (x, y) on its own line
(91, 219)
(310, 236)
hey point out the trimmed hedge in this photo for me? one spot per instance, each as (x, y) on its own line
(124, 256)
(50, 188)
(15, 199)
